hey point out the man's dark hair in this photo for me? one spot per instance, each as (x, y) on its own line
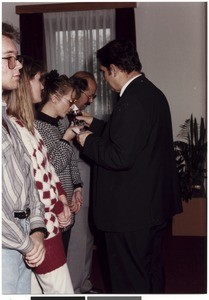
(79, 84)
(121, 53)
(10, 32)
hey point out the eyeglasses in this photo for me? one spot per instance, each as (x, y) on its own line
(69, 101)
(90, 97)
(12, 61)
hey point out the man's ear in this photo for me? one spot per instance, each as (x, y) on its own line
(113, 69)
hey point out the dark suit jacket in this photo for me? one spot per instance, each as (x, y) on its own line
(135, 178)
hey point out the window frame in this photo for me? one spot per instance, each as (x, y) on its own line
(61, 7)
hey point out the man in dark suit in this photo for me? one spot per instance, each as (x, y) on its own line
(136, 189)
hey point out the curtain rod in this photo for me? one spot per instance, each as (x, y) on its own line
(61, 7)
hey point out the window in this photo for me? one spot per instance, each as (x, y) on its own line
(72, 39)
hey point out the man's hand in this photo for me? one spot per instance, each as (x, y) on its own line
(81, 138)
(36, 256)
(86, 118)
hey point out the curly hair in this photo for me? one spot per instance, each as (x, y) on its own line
(60, 85)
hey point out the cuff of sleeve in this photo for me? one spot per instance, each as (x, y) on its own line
(65, 141)
(37, 222)
(40, 229)
(87, 150)
(75, 186)
(58, 207)
(60, 189)
(93, 124)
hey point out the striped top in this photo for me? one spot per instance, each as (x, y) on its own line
(61, 153)
(18, 190)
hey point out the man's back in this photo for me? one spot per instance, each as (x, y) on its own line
(137, 185)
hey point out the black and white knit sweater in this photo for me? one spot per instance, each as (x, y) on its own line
(60, 151)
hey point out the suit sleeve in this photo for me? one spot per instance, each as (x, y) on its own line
(121, 139)
(97, 126)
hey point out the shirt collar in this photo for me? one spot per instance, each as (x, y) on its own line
(48, 119)
(127, 83)
(74, 107)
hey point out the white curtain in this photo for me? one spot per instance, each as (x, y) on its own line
(72, 39)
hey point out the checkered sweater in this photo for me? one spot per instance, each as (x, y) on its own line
(47, 181)
(61, 153)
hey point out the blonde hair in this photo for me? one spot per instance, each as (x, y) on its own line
(20, 101)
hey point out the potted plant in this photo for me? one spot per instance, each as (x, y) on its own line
(191, 153)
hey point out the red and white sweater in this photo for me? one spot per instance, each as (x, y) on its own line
(49, 188)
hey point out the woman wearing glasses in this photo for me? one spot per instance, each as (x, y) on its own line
(53, 125)
(22, 212)
(12, 61)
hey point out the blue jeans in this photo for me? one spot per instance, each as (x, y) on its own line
(16, 277)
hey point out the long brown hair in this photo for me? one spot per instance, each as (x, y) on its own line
(20, 101)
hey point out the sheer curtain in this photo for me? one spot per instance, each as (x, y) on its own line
(72, 39)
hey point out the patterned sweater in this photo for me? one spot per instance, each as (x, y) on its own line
(47, 181)
(60, 151)
(49, 189)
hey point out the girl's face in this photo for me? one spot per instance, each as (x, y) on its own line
(63, 104)
(36, 88)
